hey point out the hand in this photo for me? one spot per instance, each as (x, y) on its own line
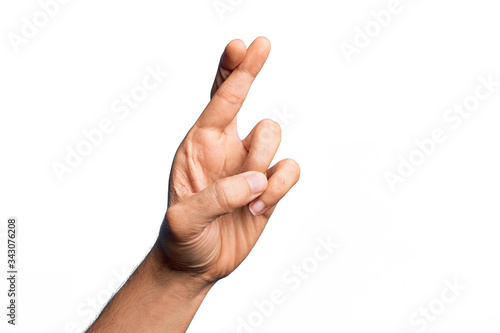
(221, 196)
(222, 191)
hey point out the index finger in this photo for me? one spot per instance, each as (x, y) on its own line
(229, 98)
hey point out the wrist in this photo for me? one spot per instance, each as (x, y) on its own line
(183, 284)
(154, 297)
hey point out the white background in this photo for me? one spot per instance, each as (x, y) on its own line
(346, 124)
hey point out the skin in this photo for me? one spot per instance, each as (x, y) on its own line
(222, 193)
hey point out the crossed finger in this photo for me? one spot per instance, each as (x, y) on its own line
(229, 98)
(232, 56)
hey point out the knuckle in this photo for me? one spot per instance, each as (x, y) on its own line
(231, 94)
(252, 74)
(173, 214)
(222, 199)
(175, 225)
(261, 153)
(279, 184)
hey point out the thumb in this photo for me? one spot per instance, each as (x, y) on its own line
(224, 196)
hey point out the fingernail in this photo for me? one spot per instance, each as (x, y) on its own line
(257, 181)
(257, 207)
